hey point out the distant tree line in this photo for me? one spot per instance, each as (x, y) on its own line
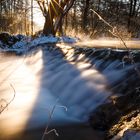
(14, 16)
(73, 14)
(125, 14)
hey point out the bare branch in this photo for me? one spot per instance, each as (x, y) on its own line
(2, 108)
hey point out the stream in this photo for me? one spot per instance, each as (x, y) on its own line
(58, 87)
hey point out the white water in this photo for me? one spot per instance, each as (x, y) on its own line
(44, 80)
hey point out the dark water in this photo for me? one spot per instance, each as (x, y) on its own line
(57, 87)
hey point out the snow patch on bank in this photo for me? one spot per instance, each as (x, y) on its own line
(27, 43)
(67, 39)
(52, 39)
(43, 40)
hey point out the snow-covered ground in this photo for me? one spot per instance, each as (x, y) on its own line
(27, 43)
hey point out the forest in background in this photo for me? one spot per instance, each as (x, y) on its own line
(16, 17)
(124, 14)
(99, 79)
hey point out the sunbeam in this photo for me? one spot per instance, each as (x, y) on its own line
(14, 118)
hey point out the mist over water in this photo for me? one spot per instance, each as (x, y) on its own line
(110, 43)
(73, 83)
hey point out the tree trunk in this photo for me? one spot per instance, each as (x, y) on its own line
(48, 26)
(49, 19)
(85, 14)
(130, 15)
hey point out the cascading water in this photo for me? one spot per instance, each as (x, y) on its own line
(74, 81)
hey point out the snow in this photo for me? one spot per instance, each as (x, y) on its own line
(20, 36)
(26, 42)
(43, 40)
(52, 39)
(19, 44)
(66, 39)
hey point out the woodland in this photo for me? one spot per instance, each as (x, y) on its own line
(69, 69)
(16, 16)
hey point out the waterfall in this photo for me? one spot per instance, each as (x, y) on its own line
(72, 80)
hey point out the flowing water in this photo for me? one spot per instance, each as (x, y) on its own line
(55, 86)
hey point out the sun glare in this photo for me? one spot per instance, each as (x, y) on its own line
(38, 17)
(14, 119)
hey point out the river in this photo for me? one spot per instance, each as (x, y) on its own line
(58, 87)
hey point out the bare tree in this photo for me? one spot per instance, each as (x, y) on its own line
(13, 15)
(54, 11)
